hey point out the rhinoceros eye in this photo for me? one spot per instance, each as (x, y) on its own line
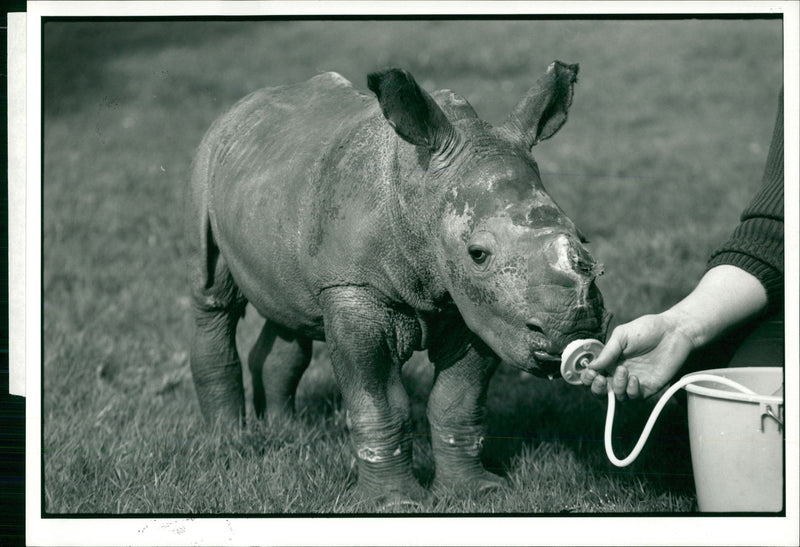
(478, 255)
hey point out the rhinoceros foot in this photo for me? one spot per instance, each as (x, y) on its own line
(409, 497)
(477, 481)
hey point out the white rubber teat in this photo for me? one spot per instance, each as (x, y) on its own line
(576, 356)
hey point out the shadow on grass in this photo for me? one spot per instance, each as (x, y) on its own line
(561, 414)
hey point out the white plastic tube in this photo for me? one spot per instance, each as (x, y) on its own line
(686, 380)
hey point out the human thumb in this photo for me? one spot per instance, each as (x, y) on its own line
(610, 352)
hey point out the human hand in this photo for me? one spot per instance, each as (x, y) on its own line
(642, 356)
(646, 353)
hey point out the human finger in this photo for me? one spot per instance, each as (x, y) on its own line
(599, 385)
(619, 382)
(588, 376)
(633, 391)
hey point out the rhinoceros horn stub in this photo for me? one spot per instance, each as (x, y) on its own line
(410, 110)
(543, 110)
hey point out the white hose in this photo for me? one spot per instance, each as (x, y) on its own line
(686, 380)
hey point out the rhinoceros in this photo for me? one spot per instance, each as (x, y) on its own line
(384, 224)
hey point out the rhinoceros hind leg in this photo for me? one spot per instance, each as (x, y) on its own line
(277, 362)
(216, 370)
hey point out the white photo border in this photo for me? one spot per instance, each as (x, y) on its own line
(586, 530)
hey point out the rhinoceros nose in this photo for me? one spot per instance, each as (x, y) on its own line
(535, 325)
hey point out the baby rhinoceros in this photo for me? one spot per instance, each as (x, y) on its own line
(383, 227)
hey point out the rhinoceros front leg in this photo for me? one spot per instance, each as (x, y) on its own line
(457, 408)
(368, 343)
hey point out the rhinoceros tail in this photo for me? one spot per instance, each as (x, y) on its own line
(212, 286)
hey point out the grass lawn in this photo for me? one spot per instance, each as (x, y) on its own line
(666, 142)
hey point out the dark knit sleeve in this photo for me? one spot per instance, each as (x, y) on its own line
(756, 245)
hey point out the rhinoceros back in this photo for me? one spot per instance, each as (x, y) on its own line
(267, 157)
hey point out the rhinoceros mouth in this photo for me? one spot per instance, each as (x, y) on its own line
(543, 357)
(545, 364)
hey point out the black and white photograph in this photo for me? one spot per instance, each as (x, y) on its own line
(342, 268)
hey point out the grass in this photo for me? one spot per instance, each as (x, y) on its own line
(665, 144)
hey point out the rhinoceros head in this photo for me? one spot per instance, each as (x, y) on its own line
(511, 260)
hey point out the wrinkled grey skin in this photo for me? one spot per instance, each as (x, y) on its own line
(384, 227)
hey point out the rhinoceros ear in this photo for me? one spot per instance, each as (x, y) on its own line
(543, 110)
(413, 114)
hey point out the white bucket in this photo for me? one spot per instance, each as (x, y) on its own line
(736, 441)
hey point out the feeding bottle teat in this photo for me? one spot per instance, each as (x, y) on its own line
(577, 356)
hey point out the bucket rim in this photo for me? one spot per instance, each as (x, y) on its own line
(699, 389)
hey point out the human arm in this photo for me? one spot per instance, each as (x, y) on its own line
(650, 350)
(744, 278)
